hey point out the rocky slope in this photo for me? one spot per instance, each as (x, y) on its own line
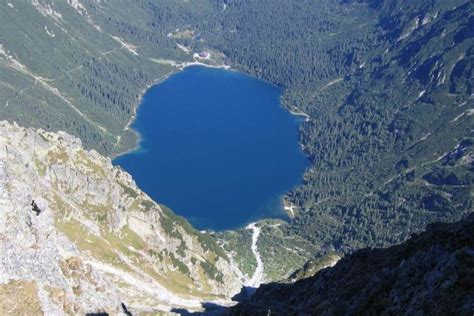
(77, 236)
(431, 273)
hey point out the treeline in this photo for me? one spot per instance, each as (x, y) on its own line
(295, 43)
(387, 84)
(383, 82)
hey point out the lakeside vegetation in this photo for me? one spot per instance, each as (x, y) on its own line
(387, 86)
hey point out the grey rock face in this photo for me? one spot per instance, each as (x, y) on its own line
(78, 236)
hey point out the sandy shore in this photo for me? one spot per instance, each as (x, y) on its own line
(198, 63)
(289, 207)
(306, 116)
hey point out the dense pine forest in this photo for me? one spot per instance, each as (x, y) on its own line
(387, 86)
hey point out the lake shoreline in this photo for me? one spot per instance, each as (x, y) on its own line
(299, 113)
(177, 177)
(179, 68)
(134, 116)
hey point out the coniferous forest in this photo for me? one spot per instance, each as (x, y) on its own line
(387, 86)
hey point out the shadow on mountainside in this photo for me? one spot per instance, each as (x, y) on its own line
(211, 309)
(430, 273)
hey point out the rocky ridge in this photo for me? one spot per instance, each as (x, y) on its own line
(78, 236)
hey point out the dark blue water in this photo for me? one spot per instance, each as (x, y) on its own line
(217, 148)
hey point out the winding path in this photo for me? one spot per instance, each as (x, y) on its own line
(257, 277)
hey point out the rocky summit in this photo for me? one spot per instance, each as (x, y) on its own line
(430, 274)
(78, 236)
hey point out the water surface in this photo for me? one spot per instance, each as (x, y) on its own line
(217, 148)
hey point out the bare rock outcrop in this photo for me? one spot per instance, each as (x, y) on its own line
(78, 236)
